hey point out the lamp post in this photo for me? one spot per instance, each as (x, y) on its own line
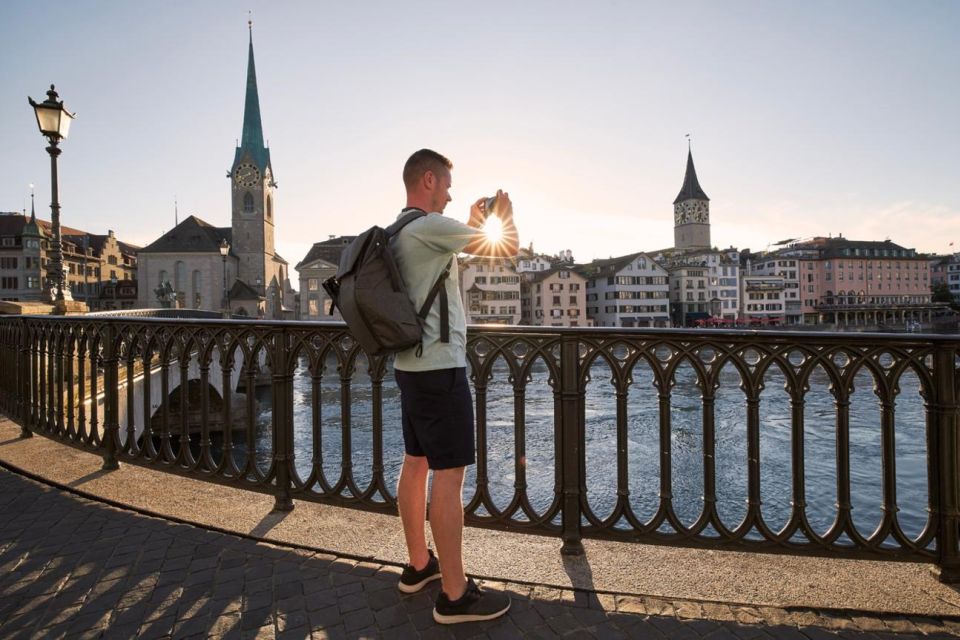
(54, 122)
(224, 250)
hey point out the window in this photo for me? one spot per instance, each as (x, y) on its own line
(313, 284)
(573, 299)
(196, 288)
(8, 263)
(9, 283)
(314, 307)
(556, 301)
(179, 276)
(269, 207)
(248, 202)
(7, 242)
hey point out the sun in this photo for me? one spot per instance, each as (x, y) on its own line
(493, 228)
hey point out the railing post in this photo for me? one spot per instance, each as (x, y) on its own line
(947, 454)
(282, 388)
(23, 378)
(111, 398)
(571, 451)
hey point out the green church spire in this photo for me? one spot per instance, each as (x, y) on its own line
(251, 140)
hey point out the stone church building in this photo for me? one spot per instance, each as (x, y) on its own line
(185, 266)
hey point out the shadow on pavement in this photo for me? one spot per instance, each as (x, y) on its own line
(87, 478)
(268, 522)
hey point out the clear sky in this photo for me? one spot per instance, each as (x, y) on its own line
(807, 118)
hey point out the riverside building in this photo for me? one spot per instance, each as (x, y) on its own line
(788, 269)
(251, 279)
(861, 283)
(100, 270)
(320, 263)
(557, 298)
(628, 291)
(491, 290)
(763, 300)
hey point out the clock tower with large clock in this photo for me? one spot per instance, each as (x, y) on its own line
(691, 212)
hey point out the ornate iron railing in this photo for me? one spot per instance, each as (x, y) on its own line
(192, 396)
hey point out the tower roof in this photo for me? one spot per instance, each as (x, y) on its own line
(691, 187)
(31, 228)
(251, 139)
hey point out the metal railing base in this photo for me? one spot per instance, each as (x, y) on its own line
(282, 505)
(946, 575)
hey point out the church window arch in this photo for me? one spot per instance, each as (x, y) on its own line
(269, 207)
(180, 276)
(248, 202)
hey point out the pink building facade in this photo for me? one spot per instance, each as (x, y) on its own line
(851, 282)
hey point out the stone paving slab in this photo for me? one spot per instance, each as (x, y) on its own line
(75, 568)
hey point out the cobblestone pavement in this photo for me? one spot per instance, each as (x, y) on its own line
(75, 568)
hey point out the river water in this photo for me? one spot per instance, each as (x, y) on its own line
(643, 444)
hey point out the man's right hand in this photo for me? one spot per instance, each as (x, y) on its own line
(503, 207)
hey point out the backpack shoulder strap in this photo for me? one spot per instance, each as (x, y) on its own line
(439, 287)
(407, 216)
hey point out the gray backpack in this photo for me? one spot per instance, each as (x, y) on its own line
(372, 298)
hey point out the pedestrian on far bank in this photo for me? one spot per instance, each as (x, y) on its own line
(436, 403)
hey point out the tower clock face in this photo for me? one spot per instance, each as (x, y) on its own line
(246, 175)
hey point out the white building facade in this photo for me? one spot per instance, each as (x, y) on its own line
(629, 291)
(491, 290)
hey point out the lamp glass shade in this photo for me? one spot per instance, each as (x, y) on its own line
(53, 120)
(224, 248)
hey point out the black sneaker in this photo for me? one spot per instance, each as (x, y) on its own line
(412, 580)
(473, 606)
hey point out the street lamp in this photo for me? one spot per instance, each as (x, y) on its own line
(54, 122)
(224, 250)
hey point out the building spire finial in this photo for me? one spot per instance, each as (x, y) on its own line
(176, 211)
(250, 23)
(688, 142)
(33, 212)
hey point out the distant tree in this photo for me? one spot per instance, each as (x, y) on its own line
(941, 292)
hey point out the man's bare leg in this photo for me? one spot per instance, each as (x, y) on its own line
(446, 523)
(412, 503)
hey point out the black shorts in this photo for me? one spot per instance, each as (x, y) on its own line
(437, 410)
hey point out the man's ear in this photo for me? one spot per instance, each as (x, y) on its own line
(429, 180)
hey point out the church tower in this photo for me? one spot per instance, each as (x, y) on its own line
(252, 186)
(691, 212)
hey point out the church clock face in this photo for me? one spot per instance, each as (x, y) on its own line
(246, 175)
